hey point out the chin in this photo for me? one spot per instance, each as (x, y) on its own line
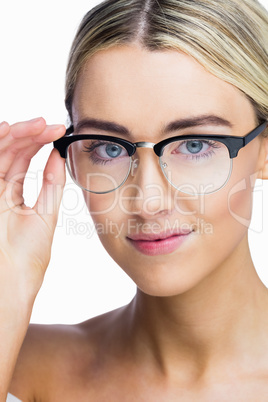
(166, 287)
(160, 292)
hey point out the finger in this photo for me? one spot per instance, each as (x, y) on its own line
(26, 147)
(13, 182)
(25, 129)
(50, 134)
(47, 134)
(28, 128)
(8, 136)
(18, 169)
(36, 130)
(49, 199)
(4, 129)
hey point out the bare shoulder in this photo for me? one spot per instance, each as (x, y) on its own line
(45, 351)
(53, 357)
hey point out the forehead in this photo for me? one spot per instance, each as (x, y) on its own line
(128, 83)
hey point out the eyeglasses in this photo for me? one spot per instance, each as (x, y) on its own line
(193, 164)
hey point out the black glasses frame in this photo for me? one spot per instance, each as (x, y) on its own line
(234, 144)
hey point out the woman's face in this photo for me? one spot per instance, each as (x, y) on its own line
(166, 241)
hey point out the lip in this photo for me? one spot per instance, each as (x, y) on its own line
(152, 244)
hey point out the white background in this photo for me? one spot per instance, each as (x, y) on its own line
(82, 280)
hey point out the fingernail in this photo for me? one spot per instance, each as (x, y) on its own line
(56, 126)
(3, 124)
(35, 120)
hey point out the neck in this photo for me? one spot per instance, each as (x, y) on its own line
(222, 316)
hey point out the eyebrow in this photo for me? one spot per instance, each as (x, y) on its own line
(102, 125)
(196, 121)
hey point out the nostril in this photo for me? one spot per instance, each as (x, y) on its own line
(135, 164)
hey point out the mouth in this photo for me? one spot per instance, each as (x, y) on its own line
(152, 244)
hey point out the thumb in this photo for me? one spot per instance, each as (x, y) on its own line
(49, 199)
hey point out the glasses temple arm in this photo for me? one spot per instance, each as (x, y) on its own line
(255, 133)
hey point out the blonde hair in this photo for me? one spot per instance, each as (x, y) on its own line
(227, 37)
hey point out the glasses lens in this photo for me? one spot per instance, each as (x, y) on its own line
(196, 166)
(98, 166)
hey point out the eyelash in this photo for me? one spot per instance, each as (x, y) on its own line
(212, 144)
(96, 160)
(91, 148)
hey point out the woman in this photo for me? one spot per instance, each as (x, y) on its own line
(191, 77)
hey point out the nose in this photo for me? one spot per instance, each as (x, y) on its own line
(147, 192)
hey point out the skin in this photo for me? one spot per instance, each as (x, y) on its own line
(205, 338)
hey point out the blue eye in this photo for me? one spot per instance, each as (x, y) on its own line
(112, 150)
(194, 149)
(104, 152)
(194, 146)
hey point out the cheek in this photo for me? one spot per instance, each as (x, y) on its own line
(240, 200)
(108, 218)
(225, 216)
(228, 212)
(233, 203)
(101, 205)
(231, 206)
(241, 186)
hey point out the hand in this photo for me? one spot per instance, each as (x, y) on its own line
(26, 233)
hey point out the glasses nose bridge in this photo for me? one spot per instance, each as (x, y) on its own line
(135, 161)
(144, 144)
